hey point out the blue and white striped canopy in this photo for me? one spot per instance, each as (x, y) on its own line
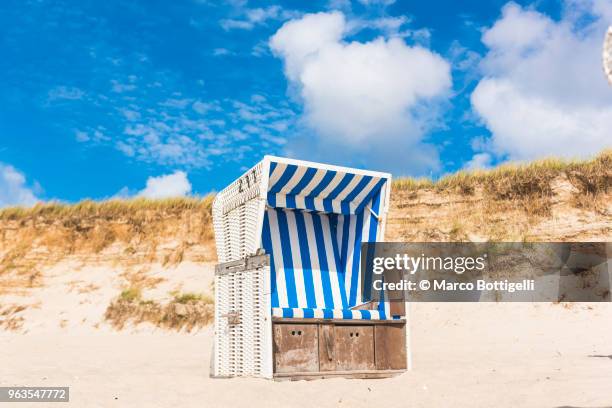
(316, 219)
(331, 190)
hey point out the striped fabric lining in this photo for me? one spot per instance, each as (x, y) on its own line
(307, 313)
(314, 225)
(309, 188)
(315, 260)
(304, 265)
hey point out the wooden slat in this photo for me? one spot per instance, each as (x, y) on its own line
(327, 348)
(334, 374)
(390, 343)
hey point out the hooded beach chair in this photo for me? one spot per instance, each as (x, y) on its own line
(288, 290)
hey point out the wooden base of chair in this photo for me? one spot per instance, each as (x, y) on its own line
(321, 348)
(365, 374)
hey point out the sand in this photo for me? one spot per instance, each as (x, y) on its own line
(75, 294)
(465, 355)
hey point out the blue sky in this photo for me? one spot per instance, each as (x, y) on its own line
(158, 98)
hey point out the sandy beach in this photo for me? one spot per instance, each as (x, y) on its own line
(466, 355)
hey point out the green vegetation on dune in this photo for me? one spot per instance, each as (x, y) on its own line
(185, 311)
(511, 181)
(109, 209)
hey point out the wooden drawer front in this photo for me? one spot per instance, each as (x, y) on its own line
(390, 347)
(296, 348)
(354, 347)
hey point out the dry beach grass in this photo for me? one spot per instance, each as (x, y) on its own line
(515, 180)
(184, 311)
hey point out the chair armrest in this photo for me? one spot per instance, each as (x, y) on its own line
(371, 305)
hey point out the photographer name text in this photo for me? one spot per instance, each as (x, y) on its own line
(443, 285)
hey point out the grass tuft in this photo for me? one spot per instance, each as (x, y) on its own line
(185, 311)
(185, 298)
(131, 294)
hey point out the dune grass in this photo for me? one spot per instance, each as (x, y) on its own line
(510, 181)
(190, 297)
(108, 209)
(185, 311)
(412, 184)
(131, 294)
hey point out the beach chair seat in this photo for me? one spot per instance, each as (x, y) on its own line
(346, 314)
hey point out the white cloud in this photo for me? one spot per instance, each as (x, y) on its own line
(339, 5)
(376, 2)
(256, 16)
(167, 135)
(93, 135)
(204, 107)
(13, 187)
(120, 87)
(130, 114)
(543, 91)
(221, 52)
(81, 136)
(169, 185)
(65, 92)
(189, 132)
(464, 59)
(361, 99)
(478, 162)
(389, 25)
(178, 103)
(230, 24)
(260, 49)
